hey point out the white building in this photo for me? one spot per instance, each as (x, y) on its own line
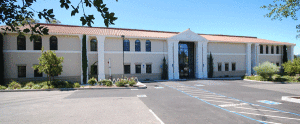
(186, 53)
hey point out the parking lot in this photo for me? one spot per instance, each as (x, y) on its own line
(195, 101)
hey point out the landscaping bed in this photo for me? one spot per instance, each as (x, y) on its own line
(67, 85)
(275, 78)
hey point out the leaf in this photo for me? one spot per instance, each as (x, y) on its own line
(26, 30)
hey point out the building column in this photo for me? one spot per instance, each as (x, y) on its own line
(101, 65)
(290, 52)
(81, 73)
(204, 59)
(176, 65)
(257, 54)
(170, 60)
(199, 60)
(248, 59)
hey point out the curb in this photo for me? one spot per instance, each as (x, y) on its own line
(267, 82)
(290, 99)
(140, 86)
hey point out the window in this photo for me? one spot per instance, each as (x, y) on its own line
(148, 46)
(126, 69)
(93, 44)
(261, 49)
(277, 63)
(53, 43)
(37, 74)
(267, 49)
(277, 49)
(21, 42)
(94, 69)
(226, 66)
(137, 45)
(126, 45)
(233, 66)
(21, 71)
(148, 68)
(37, 44)
(272, 49)
(219, 66)
(137, 69)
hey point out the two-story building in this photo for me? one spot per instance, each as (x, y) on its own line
(140, 53)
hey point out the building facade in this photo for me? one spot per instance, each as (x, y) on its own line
(140, 53)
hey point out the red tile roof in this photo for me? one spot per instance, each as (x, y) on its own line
(71, 29)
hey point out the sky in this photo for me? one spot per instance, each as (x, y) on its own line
(227, 17)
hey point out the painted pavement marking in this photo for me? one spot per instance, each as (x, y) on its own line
(134, 89)
(210, 97)
(156, 117)
(199, 85)
(141, 96)
(269, 102)
(158, 87)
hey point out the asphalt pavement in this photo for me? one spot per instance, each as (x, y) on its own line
(194, 101)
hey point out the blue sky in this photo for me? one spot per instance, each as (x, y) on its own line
(230, 17)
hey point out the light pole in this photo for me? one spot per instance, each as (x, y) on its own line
(123, 55)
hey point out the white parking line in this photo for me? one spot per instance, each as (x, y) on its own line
(267, 115)
(260, 110)
(217, 101)
(156, 116)
(270, 122)
(220, 98)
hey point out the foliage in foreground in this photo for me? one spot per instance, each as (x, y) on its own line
(123, 82)
(14, 85)
(266, 69)
(92, 81)
(292, 67)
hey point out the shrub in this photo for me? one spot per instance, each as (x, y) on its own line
(14, 85)
(108, 83)
(121, 83)
(266, 69)
(61, 84)
(45, 87)
(258, 78)
(92, 81)
(292, 67)
(2, 87)
(27, 87)
(29, 84)
(76, 85)
(131, 82)
(105, 82)
(36, 86)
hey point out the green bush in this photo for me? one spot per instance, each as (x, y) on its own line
(108, 83)
(257, 78)
(275, 76)
(27, 87)
(105, 82)
(36, 86)
(121, 83)
(289, 78)
(131, 82)
(14, 85)
(92, 81)
(2, 87)
(266, 69)
(45, 87)
(76, 85)
(61, 84)
(29, 84)
(292, 67)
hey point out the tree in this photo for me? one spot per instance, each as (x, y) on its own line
(52, 21)
(49, 64)
(210, 66)
(292, 67)
(1, 60)
(164, 75)
(84, 59)
(283, 9)
(12, 13)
